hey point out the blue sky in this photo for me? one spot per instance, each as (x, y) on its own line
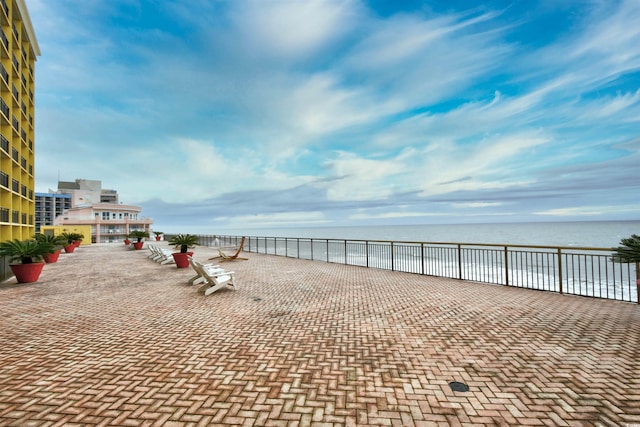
(232, 114)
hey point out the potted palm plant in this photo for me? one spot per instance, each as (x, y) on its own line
(138, 235)
(158, 234)
(77, 239)
(629, 251)
(70, 239)
(57, 243)
(26, 256)
(184, 242)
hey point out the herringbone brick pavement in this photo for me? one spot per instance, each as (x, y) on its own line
(108, 337)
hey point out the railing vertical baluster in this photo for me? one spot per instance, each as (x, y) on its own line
(327, 250)
(392, 263)
(637, 282)
(459, 261)
(367, 251)
(311, 249)
(345, 252)
(560, 290)
(422, 258)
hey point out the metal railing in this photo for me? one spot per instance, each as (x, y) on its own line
(565, 270)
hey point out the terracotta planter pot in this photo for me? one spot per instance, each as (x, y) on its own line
(157, 238)
(51, 258)
(77, 243)
(181, 259)
(127, 242)
(27, 273)
(138, 245)
(70, 248)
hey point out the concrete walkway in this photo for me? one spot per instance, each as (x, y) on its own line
(108, 337)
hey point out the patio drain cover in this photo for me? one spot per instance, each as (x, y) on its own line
(456, 386)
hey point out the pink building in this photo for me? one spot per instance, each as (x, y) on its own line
(109, 222)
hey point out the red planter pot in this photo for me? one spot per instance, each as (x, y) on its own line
(70, 248)
(138, 245)
(77, 243)
(27, 273)
(157, 238)
(51, 258)
(181, 259)
(127, 242)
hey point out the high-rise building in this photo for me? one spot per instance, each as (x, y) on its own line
(84, 192)
(18, 51)
(49, 206)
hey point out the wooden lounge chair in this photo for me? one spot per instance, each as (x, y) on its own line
(227, 257)
(213, 281)
(161, 255)
(199, 278)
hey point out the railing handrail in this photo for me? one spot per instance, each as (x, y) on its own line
(576, 270)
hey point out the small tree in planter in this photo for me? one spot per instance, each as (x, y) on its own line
(71, 239)
(57, 243)
(184, 242)
(77, 238)
(138, 235)
(27, 255)
(158, 234)
(629, 251)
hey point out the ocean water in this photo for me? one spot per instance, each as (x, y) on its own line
(598, 234)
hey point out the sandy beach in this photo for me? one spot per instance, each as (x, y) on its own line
(109, 337)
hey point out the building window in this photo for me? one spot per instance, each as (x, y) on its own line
(105, 215)
(4, 179)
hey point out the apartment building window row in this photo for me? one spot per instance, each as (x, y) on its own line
(4, 73)
(4, 107)
(4, 143)
(5, 40)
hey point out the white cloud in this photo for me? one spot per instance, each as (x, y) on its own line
(592, 211)
(278, 219)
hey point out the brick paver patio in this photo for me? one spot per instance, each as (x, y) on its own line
(108, 337)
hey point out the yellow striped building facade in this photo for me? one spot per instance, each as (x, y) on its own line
(18, 51)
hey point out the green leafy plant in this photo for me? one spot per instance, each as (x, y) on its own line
(71, 237)
(184, 241)
(57, 242)
(25, 251)
(139, 235)
(158, 233)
